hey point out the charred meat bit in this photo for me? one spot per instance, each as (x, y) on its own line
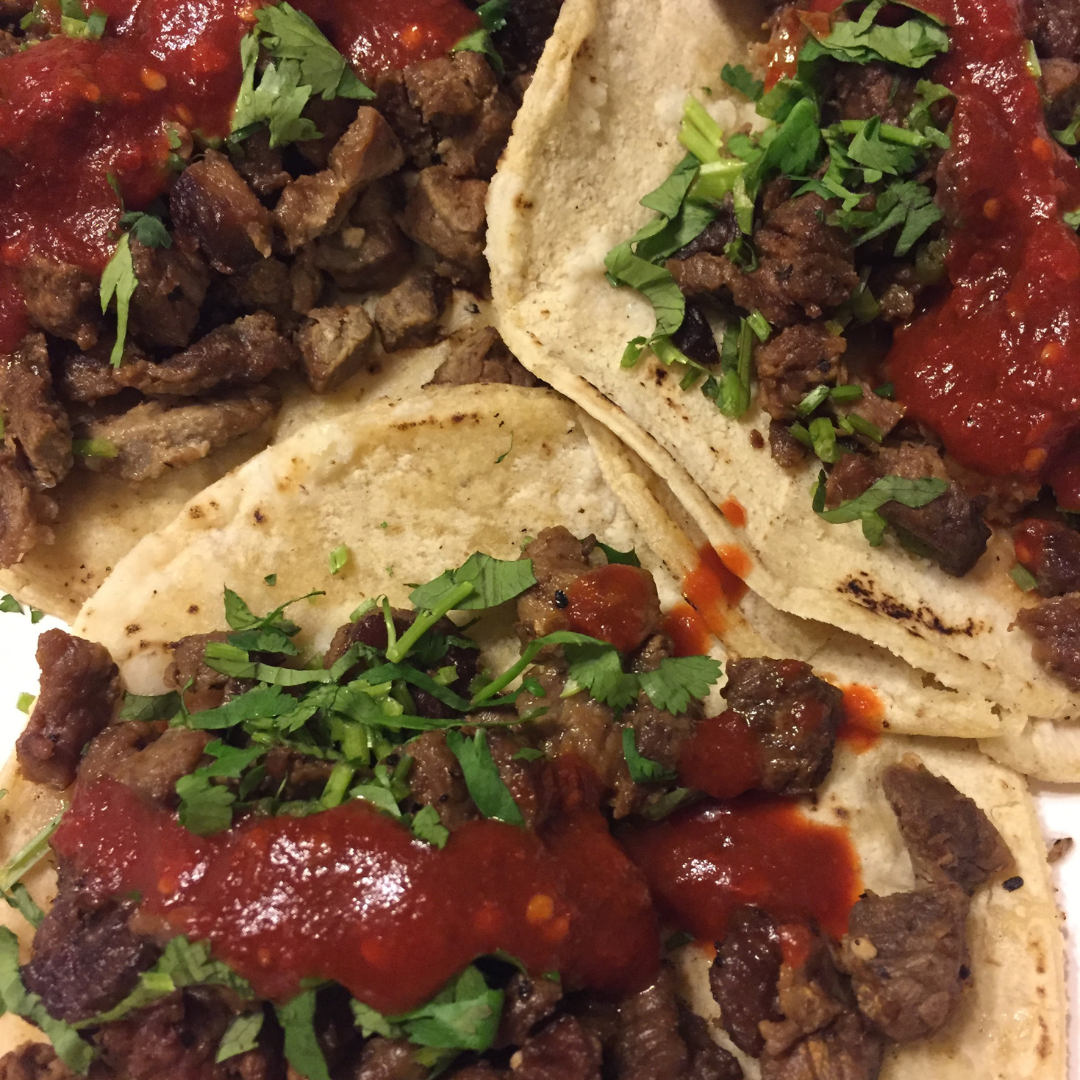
(408, 315)
(80, 688)
(88, 376)
(241, 354)
(1060, 84)
(716, 236)
(211, 203)
(791, 364)
(563, 1050)
(165, 305)
(950, 529)
(1054, 27)
(334, 342)
(559, 558)
(448, 215)
(863, 91)
(166, 433)
(1051, 551)
(695, 337)
(786, 450)
(908, 959)
(708, 1061)
(743, 978)
(35, 424)
(24, 514)
(793, 715)
(34, 1061)
(850, 477)
(260, 164)
(528, 1002)
(481, 357)
(389, 1059)
(85, 958)
(61, 299)
(948, 836)
(436, 779)
(529, 23)
(648, 1045)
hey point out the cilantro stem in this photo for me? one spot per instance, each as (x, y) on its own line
(423, 622)
(28, 855)
(510, 674)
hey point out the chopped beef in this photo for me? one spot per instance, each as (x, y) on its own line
(35, 424)
(908, 959)
(34, 1061)
(85, 958)
(529, 782)
(793, 715)
(241, 354)
(648, 1045)
(24, 514)
(334, 342)
(294, 774)
(392, 100)
(529, 24)
(849, 478)
(88, 376)
(306, 281)
(863, 91)
(1054, 27)
(528, 1002)
(448, 215)
(563, 1050)
(695, 336)
(721, 231)
(659, 735)
(262, 286)
(166, 433)
(316, 204)
(879, 411)
(482, 357)
(805, 266)
(1051, 551)
(786, 450)
(436, 779)
(791, 364)
(389, 1059)
(708, 1061)
(61, 299)
(211, 203)
(80, 688)
(369, 251)
(559, 558)
(843, 1050)
(172, 286)
(408, 315)
(743, 978)
(189, 665)
(948, 836)
(259, 163)
(459, 97)
(1060, 83)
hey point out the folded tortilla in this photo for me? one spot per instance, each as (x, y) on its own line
(599, 131)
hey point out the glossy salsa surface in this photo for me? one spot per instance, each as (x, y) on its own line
(75, 111)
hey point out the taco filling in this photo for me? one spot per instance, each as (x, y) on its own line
(389, 862)
(887, 253)
(196, 199)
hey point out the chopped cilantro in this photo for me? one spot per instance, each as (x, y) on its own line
(302, 1050)
(864, 508)
(148, 229)
(338, 558)
(494, 581)
(738, 78)
(1024, 578)
(482, 778)
(29, 855)
(502, 457)
(676, 680)
(9, 603)
(426, 826)
(625, 558)
(270, 579)
(913, 43)
(527, 753)
(643, 770)
(20, 899)
(102, 448)
(76, 23)
(885, 390)
(118, 280)
(25, 702)
(598, 669)
(492, 20)
(760, 325)
(205, 808)
(240, 1036)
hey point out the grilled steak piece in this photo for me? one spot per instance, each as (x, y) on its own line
(408, 315)
(791, 364)
(61, 299)
(1051, 551)
(80, 688)
(334, 342)
(481, 357)
(528, 1002)
(24, 514)
(1055, 627)
(165, 305)
(448, 215)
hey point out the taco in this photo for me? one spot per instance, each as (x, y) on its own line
(391, 858)
(206, 218)
(830, 342)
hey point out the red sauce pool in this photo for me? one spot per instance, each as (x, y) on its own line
(721, 758)
(613, 603)
(348, 894)
(863, 718)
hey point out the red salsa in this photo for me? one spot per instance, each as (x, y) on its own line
(612, 603)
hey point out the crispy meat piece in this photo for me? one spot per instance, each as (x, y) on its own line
(528, 1002)
(481, 356)
(1051, 551)
(850, 477)
(334, 342)
(786, 450)
(24, 514)
(35, 424)
(862, 91)
(80, 688)
(154, 770)
(211, 203)
(392, 100)
(61, 299)
(436, 779)
(313, 205)
(791, 364)
(743, 978)
(695, 336)
(449, 216)
(88, 376)
(716, 236)
(172, 286)
(260, 164)
(558, 559)
(243, 353)
(389, 1059)
(794, 716)
(166, 433)
(1054, 27)
(648, 1045)
(408, 315)
(844, 1050)
(948, 836)
(563, 1050)
(34, 1061)
(908, 959)
(85, 959)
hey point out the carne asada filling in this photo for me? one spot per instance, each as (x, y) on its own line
(890, 255)
(172, 257)
(331, 865)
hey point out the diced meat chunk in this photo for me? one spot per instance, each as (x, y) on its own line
(243, 353)
(1054, 27)
(948, 836)
(791, 364)
(448, 215)
(850, 477)
(743, 978)
(389, 1059)
(165, 305)
(408, 315)
(844, 1050)
(908, 959)
(863, 91)
(695, 336)
(189, 663)
(24, 514)
(334, 342)
(528, 1002)
(648, 1045)
(481, 357)
(879, 411)
(88, 376)
(86, 959)
(259, 163)
(80, 687)
(792, 714)
(262, 286)
(34, 1061)
(313, 205)
(563, 1050)
(716, 236)
(436, 779)
(154, 770)
(1060, 83)
(1051, 551)
(558, 559)
(211, 203)
(35, 424)
(1055, 627)
(164, 434)
(786, 450)
(61, 299)
(392, 100)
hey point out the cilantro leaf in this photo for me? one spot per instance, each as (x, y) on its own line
(20, 899)
(678, 679)
(205, 808)
(372, 1022)
(492, 19)
(913, 43)
(625, 558)
(426, 826)
(491, 795)
(598, 669)
(151, 707)
(148, 229)
(643, 770)
(302, 1050)
(494, 581)
(655, 283)
(864, 508)
(118, 280)
(259, 702)
(738, 78)
(464, 1016)
(29, 855)
(240, 1036)
(338, 558)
